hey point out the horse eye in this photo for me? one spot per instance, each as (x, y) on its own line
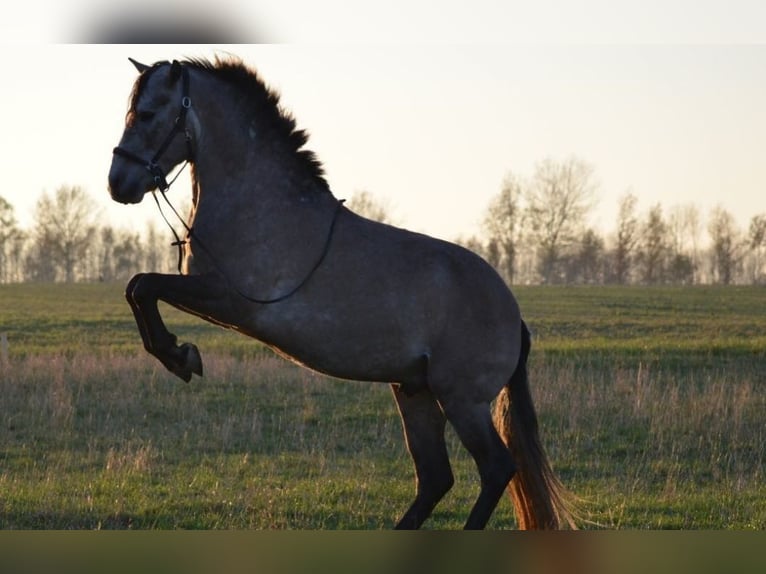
(145, 116)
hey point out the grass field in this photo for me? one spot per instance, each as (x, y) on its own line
(651, 403)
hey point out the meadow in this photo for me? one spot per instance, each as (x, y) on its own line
(651, 404)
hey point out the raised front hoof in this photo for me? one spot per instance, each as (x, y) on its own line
(186, 362)
(192, 358)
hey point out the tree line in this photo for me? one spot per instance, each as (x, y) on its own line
(535, 231)
(68, 243)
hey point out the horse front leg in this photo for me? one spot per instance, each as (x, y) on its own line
(196, 294)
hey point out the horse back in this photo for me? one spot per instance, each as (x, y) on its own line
(451, 286)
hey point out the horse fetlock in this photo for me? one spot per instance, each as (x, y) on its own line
(192, 358)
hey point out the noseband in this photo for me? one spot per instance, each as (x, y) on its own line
(179, 126)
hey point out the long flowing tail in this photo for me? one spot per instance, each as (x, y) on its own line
(540, 500)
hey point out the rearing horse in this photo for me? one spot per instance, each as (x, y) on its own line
(271, 253)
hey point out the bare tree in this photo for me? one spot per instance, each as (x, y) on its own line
(367, 205)
(153, 255)
(106, 254)
(683, 234)
(502, 225)
(654, 247)
(725, 248)
(493, 255)
(680, 269)
(475, 244)
(627, 238)
(10, 238)
(586, 264)
(756, 236)
(128, 254)
(559, 198)
(63, 233)
(693, 226)
(40, 262)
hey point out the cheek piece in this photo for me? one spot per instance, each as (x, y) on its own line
(179, 126)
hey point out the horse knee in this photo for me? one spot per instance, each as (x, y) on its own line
(131, 287)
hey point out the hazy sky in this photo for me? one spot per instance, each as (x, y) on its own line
(431, 128)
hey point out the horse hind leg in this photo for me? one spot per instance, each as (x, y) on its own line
(473, 424)
(424, 422)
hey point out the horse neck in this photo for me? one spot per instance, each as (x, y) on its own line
(239, 162)
(252, 193)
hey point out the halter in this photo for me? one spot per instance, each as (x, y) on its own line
(152, 166)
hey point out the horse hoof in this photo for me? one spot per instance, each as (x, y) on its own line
(192, 359)
(177, 369)
(182, 374)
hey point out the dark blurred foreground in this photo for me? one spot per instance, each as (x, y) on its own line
(378, 552)
(192, 22)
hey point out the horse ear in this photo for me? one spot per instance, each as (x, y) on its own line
(139, 66)
(175, 70)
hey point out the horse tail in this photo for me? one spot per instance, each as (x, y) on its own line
(539, 499)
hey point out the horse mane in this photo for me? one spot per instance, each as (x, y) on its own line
(263, 101)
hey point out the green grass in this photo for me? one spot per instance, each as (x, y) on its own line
(647, 321)
(93, 318)
(650, 400)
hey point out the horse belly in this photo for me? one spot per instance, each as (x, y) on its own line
(401, 315)
(351, 342)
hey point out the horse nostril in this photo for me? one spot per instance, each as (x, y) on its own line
(114, 184)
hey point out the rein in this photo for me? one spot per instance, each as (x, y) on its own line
(160, 179)
(191, 235)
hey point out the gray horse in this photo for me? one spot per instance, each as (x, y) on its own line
(271, 253)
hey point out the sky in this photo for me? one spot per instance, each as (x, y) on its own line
(433, 127)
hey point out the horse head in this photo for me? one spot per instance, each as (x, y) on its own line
(156, 137)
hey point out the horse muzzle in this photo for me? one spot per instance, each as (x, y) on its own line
(124, 189)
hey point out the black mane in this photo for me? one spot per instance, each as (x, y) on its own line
(273, 120)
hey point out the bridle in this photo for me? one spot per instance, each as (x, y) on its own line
(160, 179)
(179, 126)
(152, 165)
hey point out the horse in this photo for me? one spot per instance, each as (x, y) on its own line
(270, 252)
